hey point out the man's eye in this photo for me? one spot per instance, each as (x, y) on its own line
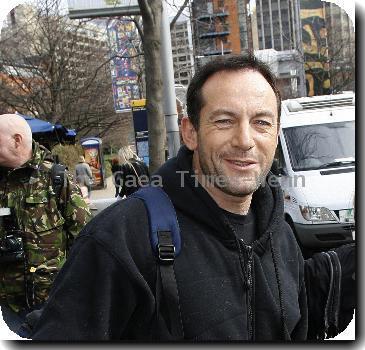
(261, 122)
(223, 122)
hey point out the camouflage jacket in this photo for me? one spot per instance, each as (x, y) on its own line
(47, 223)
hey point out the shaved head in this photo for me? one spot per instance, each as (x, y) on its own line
(15, 140)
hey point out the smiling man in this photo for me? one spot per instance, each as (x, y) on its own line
(239, 274)
(235, 138)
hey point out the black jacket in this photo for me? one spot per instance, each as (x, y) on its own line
(228, 291)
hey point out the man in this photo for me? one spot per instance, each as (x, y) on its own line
(240, 273)
(39, 220)
(84, 176)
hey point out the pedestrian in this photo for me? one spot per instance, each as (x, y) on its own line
(133, 172)
(240, 272)
(41, 212)
(84, 176)
(116, 171)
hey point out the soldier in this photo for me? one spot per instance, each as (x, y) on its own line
(38, 221)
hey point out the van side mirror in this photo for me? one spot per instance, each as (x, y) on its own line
(276, 169)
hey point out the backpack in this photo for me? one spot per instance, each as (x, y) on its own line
(165, 242)
(58, 178)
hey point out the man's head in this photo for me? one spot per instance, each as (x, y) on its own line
(233, 107)
(194, 97)
(15, 141)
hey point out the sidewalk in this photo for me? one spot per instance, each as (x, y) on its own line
(108, 192)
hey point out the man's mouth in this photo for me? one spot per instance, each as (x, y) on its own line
(241, 163)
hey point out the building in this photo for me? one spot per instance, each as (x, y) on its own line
(328, 47)
(223, 27)
(215, 27)
(276, 27)
(341, 43)
(182, 52)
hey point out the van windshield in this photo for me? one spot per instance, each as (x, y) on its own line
(321, 145)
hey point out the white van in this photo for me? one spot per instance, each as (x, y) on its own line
(315, 164)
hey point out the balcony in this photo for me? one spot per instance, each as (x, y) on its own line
(212, 16)
(214, 34)
(217, 52)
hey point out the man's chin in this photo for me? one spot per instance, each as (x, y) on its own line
(239, 191)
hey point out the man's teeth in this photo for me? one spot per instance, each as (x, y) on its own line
(240, 163)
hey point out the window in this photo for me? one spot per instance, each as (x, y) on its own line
(320, 146)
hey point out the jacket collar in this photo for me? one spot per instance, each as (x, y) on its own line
(195, 202)
(39, 155)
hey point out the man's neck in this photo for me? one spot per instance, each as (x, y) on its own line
(22, 158)
(233, 204)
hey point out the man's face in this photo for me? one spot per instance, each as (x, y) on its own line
(7, 150)
(238, 131)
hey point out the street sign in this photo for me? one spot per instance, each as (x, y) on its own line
(102, 8)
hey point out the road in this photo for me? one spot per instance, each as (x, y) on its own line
(107, 192)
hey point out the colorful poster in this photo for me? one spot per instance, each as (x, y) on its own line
(123, 42)
(93, 159)
(314, 34)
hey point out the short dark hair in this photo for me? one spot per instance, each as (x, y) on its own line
(194, 98)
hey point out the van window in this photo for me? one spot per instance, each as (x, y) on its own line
(279, 156)
(321, 145)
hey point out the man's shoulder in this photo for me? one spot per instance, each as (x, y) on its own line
(122, 226)
(126, 215)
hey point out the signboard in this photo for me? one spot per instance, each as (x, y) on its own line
(101, 8)
(123, 41)
(140, 128)
(142, 149)
(94, 157)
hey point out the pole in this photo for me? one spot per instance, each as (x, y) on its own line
(170, 109)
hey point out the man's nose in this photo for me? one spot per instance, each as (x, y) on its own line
(243, 136)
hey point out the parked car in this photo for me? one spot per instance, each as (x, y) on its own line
(315, 164)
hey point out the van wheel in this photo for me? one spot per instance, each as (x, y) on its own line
(305, 252)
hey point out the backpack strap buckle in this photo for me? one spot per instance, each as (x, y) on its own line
(166, 253)
(165, 247)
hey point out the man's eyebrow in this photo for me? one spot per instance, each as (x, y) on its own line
(221, 111)
(265, 113)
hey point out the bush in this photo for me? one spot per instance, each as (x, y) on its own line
(68, 155)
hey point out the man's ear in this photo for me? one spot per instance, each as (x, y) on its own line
(189, 134)
(18, 138)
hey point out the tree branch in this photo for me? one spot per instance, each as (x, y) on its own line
(181, 9)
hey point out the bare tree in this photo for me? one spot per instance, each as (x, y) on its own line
(151, 12)
(56, 69)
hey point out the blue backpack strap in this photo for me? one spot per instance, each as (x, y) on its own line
(162, 218)
(166, 244)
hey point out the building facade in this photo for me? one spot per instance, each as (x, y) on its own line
(269, 28)
(328, 47)
(276, 29)
(215, 28)
(182, 52)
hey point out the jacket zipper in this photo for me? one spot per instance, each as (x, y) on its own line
(248, 274)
